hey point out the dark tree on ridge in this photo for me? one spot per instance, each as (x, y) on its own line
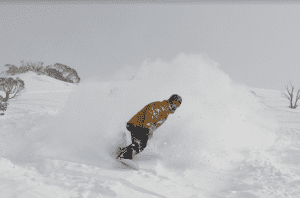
(290, 96)
(11, 87)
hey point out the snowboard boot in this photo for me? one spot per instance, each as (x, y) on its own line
(125, 153)
(120, 152)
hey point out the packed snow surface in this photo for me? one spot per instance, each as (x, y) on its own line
(226, 140)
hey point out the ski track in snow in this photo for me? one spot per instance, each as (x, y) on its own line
(273, 172)
(79, 180)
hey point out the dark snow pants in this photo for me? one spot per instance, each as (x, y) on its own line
(139, 138)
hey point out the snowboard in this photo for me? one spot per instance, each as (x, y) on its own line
(130, 163)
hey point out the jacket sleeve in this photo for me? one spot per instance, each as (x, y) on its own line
(161, 117)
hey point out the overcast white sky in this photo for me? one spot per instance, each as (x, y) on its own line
(255, 44)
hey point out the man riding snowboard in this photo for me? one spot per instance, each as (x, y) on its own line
(142, 125)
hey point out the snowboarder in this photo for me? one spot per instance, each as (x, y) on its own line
(142, 125)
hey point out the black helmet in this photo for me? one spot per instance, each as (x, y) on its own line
(176, 98)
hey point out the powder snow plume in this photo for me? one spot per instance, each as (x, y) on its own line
(217, 117)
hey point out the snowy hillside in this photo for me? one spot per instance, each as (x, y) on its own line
(41, 93)
(225, 140)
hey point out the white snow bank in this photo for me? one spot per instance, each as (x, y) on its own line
(216, 118)
(42, 94)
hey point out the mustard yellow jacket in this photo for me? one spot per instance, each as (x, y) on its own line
(152, 115)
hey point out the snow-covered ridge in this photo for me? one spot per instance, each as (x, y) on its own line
(34, 82)
(41, 94)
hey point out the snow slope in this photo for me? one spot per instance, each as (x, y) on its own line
(226, 140)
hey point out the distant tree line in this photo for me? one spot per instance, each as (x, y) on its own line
(57, 71)
(12, 87)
